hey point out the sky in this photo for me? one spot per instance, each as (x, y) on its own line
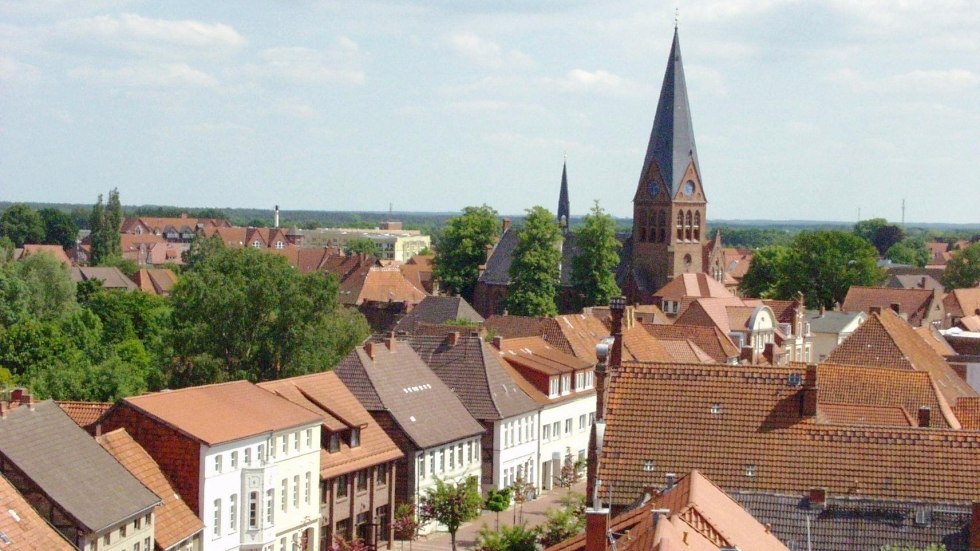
(802, 110)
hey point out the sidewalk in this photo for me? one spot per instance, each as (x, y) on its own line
(534, 514)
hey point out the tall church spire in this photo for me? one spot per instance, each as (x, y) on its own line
(563, 206)
(671, 145)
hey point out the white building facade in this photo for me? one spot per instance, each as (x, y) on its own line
(515, 450)
(451, 462)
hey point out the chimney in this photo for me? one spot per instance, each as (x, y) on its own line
(975, 528)
(506, 224)
(808, 396)
(98, 430)
(924, 416)
(823, 310)
(922, 282)
(817, 498)
(670, 480)
(390, 341)
(275, 217)
(487, 251)
(453, 338)
(498, 341)
(369, 349)
(896, 307)
(29, 401)
(596, 529)
(15, 394)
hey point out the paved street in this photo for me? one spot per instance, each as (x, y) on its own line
(534, 514)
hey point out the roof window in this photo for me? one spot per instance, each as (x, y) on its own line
(750, 470)
(715, 409)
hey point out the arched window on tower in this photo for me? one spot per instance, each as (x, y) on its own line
(662, 226)
(651, 226)
(697, 225)
(680, 225)
(687, 227)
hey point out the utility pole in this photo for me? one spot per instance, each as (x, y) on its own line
(903, 213)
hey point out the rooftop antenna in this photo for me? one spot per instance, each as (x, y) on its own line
(390, 207)
(903, 213)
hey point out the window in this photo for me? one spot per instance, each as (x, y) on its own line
(680, 225)
(279, 244)
(442, 460)
(589, 379)
(334, 443)
(579, 380)
(750, 470)
(261, 455)
(591, 418)
(146, 544)
(459, 455)
(421, 465)
(296, 441)
(122, 529)
(568, 426)
(296, 487)
(381, 473)
(106, 538)
(233, 513)
(553, 387)
(136, 546)
(529, 430)
(581, 422)
(283, 495)
(697, 225)
(687, 229)
(469, 452)
(136, 523)
(362, 480)
(285, 443)
(257, 244)
(216, 529)
(506, 435)
(520, 431)
(342, 486)
(234, 460)
(282, 544)
(432, 463)
(546, 433)
(556, 429)
(270, 500)
(309, 438)
(149, 518)
(217, 463)
(452, 459)
(355, 437)
(566, 384)
(248, 456)
(253, 510)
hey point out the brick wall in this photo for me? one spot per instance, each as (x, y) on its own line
(179, 456)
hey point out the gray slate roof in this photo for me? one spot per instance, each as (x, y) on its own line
(110, 276)
(671, 143)
(856, 524)
(498, 265)
(473, 371)
(71, 468)
(435, 310)
(830, 321)
(399, 382)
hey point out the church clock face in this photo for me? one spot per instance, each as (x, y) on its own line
(689, 188)
(654, 187)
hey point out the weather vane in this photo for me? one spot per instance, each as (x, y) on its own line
(677, 15)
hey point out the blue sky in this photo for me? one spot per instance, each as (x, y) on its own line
(802, 110)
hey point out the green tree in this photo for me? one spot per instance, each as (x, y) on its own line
(99, 247)
(508, 538)
(451, 504)
(363, 246)
(823, 265)
(22, 224)
(201, 249)
(405, 525)
(114, 216)
(534, 270)
(563, 523)
(463, 248)
(593, 268)
(497, 501)
(242, 313)
(48, 287)
(59, 228)
(879, 233)
(909, 251)
(764, 272)
(963, 269)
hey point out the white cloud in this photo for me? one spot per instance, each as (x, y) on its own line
(147, 75)
(140, 34)
(520, 141)
(596, 82)
(705, 79)
(485, 52)
(12, 70)
(339, 63)
(297, 110)
(916, 82)
(722, 10)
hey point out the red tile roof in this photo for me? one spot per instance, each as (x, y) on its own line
(710, 339)
(156, 281)
(510, 327)
(886, 340)
(175, 521)
(915, 303)
(692, 285)
(26, 529)
(742, 427)
(685, 351)
(378, 284)
(963, 302)
(85, 414)
(325, 394)
(224, 412)
(54, 250)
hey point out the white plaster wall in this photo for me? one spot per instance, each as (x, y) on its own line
(472, 466)
(515, 445)
(576, 441)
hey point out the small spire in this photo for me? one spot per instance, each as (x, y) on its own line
(677, 16)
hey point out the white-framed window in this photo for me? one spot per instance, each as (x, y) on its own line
(546, 433)
(556, 429)
(248, 457)
(217, 463)
(306, 490)
(296, 441)
(506, 435)
(432, 462)
(355, 437)
(459, 455)
(568, 426)
(566, 384)
(452, 459)
(216, 529)
(257, 244)
(285, 444)
(283, 494)
(579, 380)
(261, 455)
(421, 465)
(270, 500)
(234, 460)
(442, 460)
(309, 438)
(581, 422)
(553, 387)
(253, 510)
(280, 245)
(296, 490)
(529, 430)
(589, 379)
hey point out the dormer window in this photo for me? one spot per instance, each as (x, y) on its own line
(566, 384)
(280, 245)
(257, 244)
(553, 387)
(355, 437)
(334, 443)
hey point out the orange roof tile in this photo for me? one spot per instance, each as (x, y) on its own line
(693, 285)
(175, 522)
(54, 250)
(914, 303)
(967, 411)
(224, 412)
(932, 337)
(742, 427)
(26, 529)
(379, 284)
(858, 415)
(963, 302)
(685, 351)
(325, 394)
(550, 329)
(710, 339)
(886, 340)
(85, 414)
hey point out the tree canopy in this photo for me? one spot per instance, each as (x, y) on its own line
(462, 248)
(363, 246)
(104, 223)
(963, 269)
(879, 233)
(22, 224)
(822, 265)
(593, 268)
(59, 228)
(535, 267)
(451, 504)
(909, 251)
(245, 314)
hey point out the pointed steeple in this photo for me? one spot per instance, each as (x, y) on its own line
(671, 144)
(563, 206)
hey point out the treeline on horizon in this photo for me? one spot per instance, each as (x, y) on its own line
(750, 234)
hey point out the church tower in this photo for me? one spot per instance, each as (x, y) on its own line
(669, 208)
(563, 206)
